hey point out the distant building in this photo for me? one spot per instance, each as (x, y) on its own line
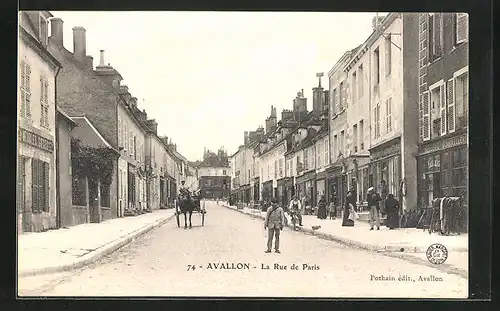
(214, 182)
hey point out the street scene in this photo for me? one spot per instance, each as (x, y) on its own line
(189, 158)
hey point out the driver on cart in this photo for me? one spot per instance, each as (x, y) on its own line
(184, 192)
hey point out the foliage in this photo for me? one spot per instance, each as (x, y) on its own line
(91, 162)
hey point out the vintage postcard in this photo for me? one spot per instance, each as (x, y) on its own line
(243, 154)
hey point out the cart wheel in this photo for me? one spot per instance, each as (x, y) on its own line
(203, 217)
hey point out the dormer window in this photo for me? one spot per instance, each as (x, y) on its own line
(43, 30)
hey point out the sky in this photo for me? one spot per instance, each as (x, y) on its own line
(206, 77)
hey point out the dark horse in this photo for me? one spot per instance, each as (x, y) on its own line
(188, 204)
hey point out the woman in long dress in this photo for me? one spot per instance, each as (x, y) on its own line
(322, 208)
(348, 206)
(392, 210)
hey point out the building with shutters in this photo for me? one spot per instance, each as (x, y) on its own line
(382, 93)
(443, 106)
(214, 181)
(336, 173)
(36, 158)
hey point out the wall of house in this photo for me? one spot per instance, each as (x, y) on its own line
(338, 119)
(390, 86)
(64, 173)
(39, 67)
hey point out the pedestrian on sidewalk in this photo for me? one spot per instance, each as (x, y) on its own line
(296, 207)
(348, 209)
(322, 208)
(275, 218)
(373, 199)
(332, 210)
(392, 209)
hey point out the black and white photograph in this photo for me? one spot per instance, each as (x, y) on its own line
(243, 154)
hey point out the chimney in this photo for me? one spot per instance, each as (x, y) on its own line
(377, 21)
(153, 125)
(318, 97)
(79, 43)
(101, 59)
(56, 32)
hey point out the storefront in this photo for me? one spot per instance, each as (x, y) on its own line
(385, 164)
(256, 190)
(337, 183)
(284, 193)
(267, 190)
(36, 181)
(443, 170)
(306, 186)
(321, 186)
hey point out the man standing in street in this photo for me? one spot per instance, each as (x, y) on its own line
(373, 199)
(296, 207)
(275, 218)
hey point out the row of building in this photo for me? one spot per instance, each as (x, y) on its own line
(396, 111)
(86, 152)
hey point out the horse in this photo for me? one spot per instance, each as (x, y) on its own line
(188, 205)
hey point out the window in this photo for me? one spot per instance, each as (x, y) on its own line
(341, 148)
(376, 113)
(435, 36)
(43, 31)
(334, 101)
(462, 100)
(326, 152)
(336, 149)
(120, 140)
(461, 26)
(354, 86)
(438, 112)
(135, 149)
(341, 101)
(125, 136)
(281, 168)
(360, 78)
(425, 116)
(361, 135)
(44, 102)
(131, 143)
(319, 154)
(376, 64)
(388, 116)
(40, 185)
(388, 55)
(306, 159)
(25, 90)
(224, 172)
(355, 137)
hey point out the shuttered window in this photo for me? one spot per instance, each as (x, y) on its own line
(425, 123)
(388, 116)
(119, 132)
(443, 109)
(25, 90)
(376, 112)
(40, 171)
(435, 36)
(21, 194)
(461, 27)
(44, 102)
(450, 99)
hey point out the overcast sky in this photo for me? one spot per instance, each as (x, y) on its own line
(207, 77)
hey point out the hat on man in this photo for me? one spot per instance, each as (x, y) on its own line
(370, 189)
(274, 201)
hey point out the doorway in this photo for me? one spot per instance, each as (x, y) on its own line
(94, 204)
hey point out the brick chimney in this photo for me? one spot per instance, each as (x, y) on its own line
(56, 32)
(79, 43)
(153, 125)
(107, 73)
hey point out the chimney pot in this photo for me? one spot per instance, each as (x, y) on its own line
(56, 33)
(101, 60)
(79, 43)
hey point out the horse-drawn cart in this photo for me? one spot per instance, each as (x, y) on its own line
(189, 206)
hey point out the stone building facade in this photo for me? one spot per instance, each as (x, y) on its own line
(36, 158)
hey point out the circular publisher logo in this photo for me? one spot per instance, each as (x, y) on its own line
(437, 253)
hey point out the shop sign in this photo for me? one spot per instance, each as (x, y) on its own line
(387, 152)
(36, 140)
(445, 143)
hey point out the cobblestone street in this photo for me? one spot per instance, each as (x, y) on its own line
(156, 264)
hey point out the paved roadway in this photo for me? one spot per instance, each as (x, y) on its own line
(157, 265)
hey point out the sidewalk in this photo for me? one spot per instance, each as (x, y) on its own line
(77, 246)
(407, 243)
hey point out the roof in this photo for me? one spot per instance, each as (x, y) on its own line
(83, 120)
(65, 115)
(29, 39)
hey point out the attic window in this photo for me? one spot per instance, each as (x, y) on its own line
(43, 32)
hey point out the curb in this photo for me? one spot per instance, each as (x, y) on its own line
(99, 254)
(357, 244)
(390, 251)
